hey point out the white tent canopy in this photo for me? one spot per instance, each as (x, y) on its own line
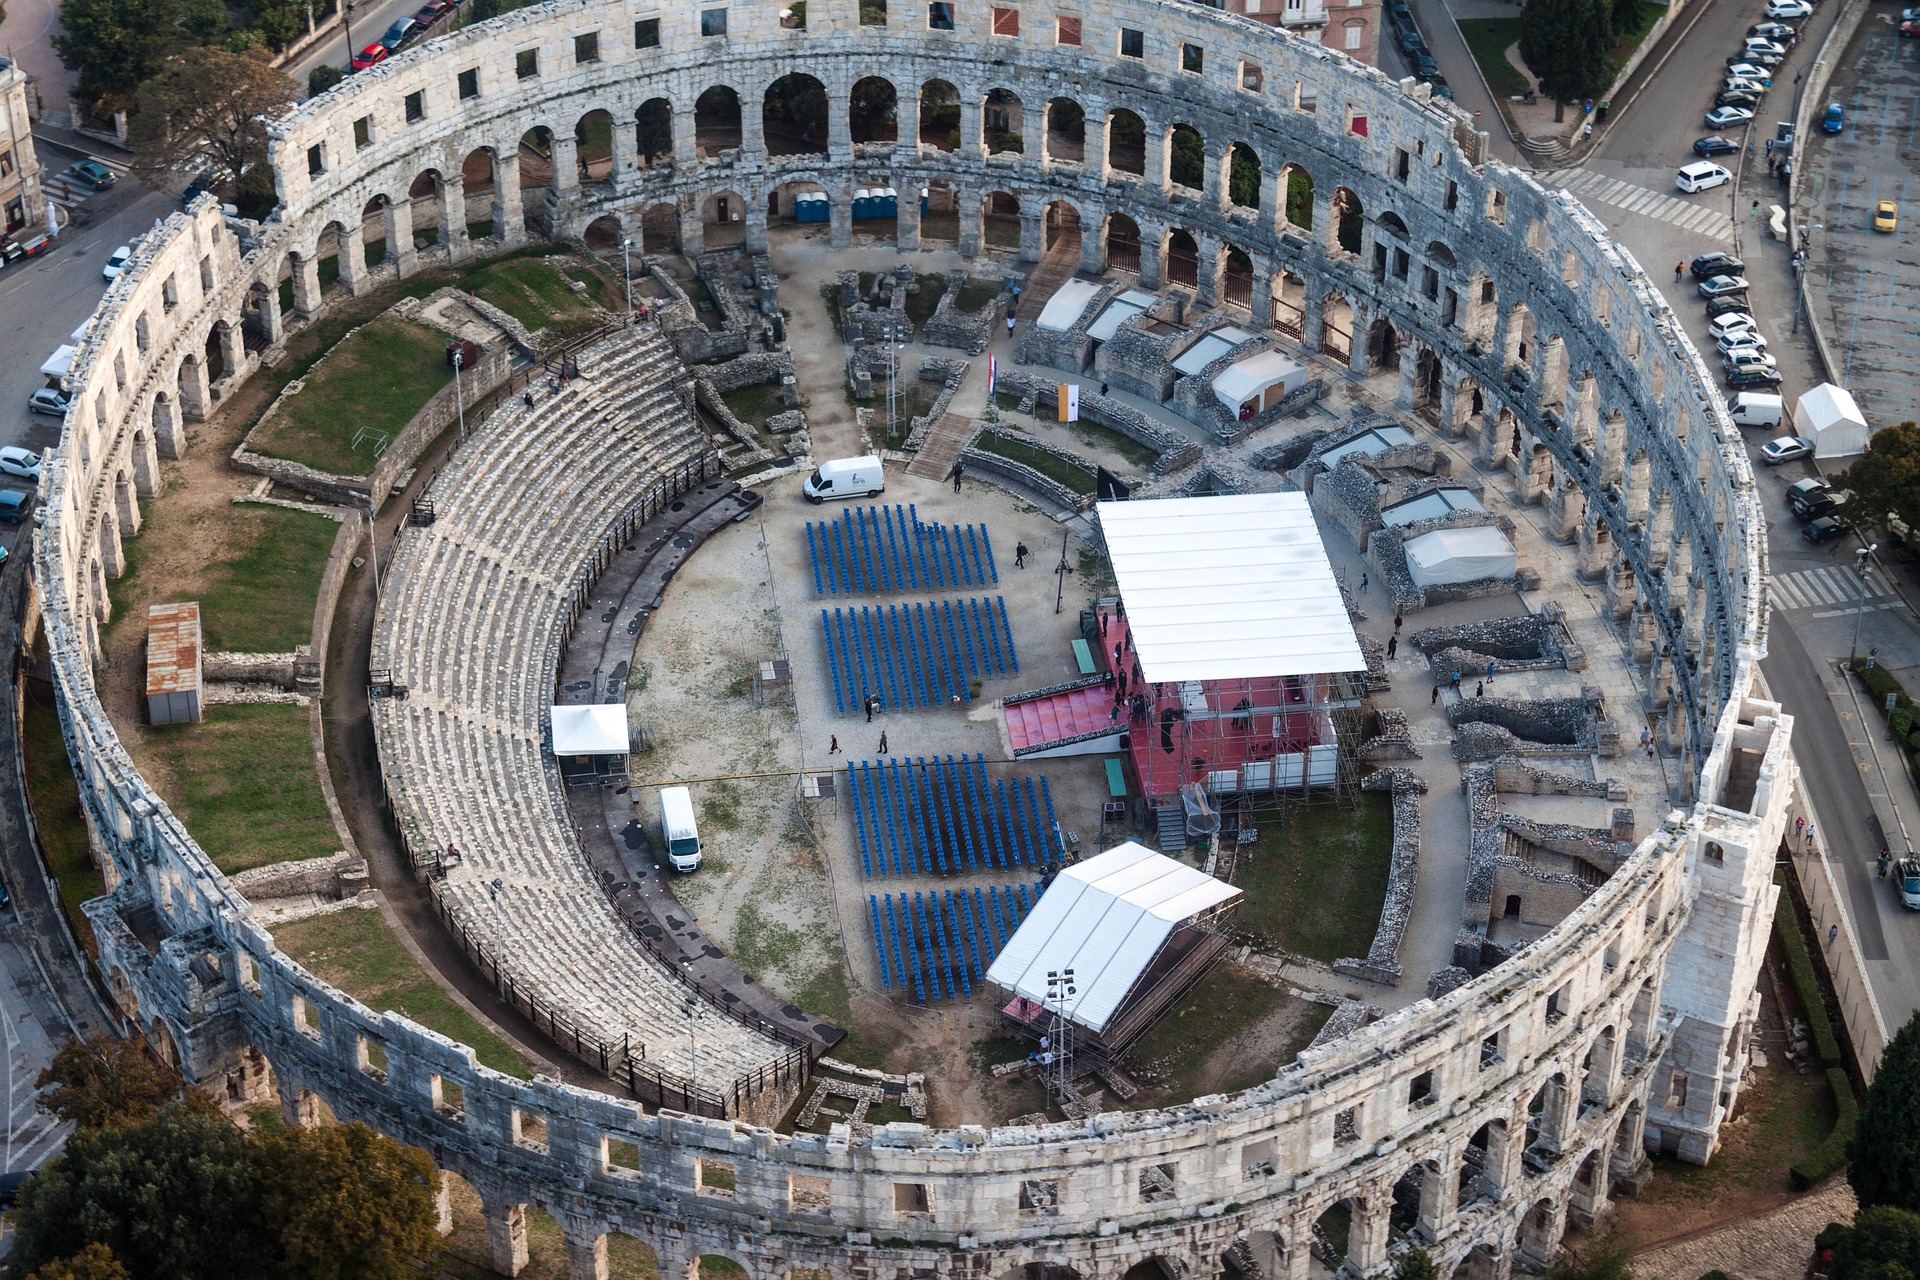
(1065, 307)
(1252, 376)
(596, 729)
(1106, 919)
(1236, 586)
(1460, 555)
(1828, 416)
(1123, 308)
(1210, 348)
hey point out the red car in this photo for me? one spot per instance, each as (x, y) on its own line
(372, 55)
(1910, 29)
(433, 11)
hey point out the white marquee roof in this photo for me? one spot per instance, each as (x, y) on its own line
(1121, 309)
(1106, 919)
(595, 729)
(1241, 382)
(1064, 308)
(1230, 587)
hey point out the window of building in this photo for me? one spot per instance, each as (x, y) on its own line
(1306, 98)
(16, 214)
(1402, 163)
(363, 132)
(1133, 44)
(469, 83)
(1356, 123)
(586, 48)
(1193, 59)
(1253, 6)
(646, 33)
(526, 63)
(873, 13)
(1353, 33)
(416, 105)
(940, 16)
(713, 22)
(1006, 22)
(793, 17)
(1251, 78)
(1066, 31)
(1453, 195)
(912, 1198)
(6, 164)
(316, 160)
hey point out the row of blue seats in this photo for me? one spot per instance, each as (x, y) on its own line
(942, 942)
(919, 654)
(915, 815)
(892, 549)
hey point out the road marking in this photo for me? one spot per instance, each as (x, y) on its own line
(1648, 203)
(1812, 587)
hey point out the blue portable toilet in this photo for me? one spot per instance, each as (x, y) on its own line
(812, 206)
(863, 203)
(886, 202)
(923, 202)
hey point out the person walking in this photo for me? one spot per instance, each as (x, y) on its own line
(1363, 582)
(1010, 324)
(1456, 682)
(959, 469)
(1479, 689)
(833, 744)
(867, 701)
(1393, 644)
(1756, 211)
(1883, 864)
(1809, 837)
(1397, 620)
(1020, 554)
(1679, 270)
(883, 742)
(1435, 700)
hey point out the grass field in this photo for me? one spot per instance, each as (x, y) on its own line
(243, 781)
(975, 295)
(535, 293)
(1076, 479)
(1490, 38)
(374, 381)
(1180, 1051)
(355, 951)
(1092, 433)
(754, 404)
(260, 594)
(56, 809)
(1315, 881)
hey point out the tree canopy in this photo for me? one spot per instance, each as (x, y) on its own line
(1882, 1244)
(346, 1203)
(105, 1082)
(208, 107)
(95, 1262)
(1886, 478)
(1884, 1156)
(1567, 43)
(1416, 1264)
(116, 44)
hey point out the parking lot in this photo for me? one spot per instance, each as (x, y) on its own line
(1868, 282)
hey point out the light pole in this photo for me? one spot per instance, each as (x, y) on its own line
(1060, 987)
(1861, 559)
(346, 20)
(626, 270)
(373, 550)
(692, 1008)
(459, 397)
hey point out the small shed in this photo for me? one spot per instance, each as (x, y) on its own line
(1258, 383)
(585, 737)
(174, 663)
(1828, 416)
(1447, 556)
(1067, 305)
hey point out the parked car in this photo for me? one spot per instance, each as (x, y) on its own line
(1721, 286)
(397, 33)
(371, 56)
(14, 505)
(18, 461)
(1742, 84)
(1835, 120)
(1906, 882)
(1702, 175)
(1732, 322)
(1753, 376)
(1759, 57)
(1750, 71)
(1825, 529)
(48, 400)
(1785, 449)
(1735, 339)
(204, 181)
(1726, 114)
(118, 262)
(1810, 496)
(1886, 216)
(1717, 307)
(1771, 30)
(1789, 9)
(1716, 264)
(433, 12)
(1714, 145)
(1749, 358)
(1760, 44)
(91, 174)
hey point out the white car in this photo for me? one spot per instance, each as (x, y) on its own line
(118, 262)
(1761, 46)
(1732, 322)
(16, 461)
(1770, 30)
(1722, 117)
(1789, 9)
(1744, 84)
(1741, 338)
(1785, 449)
(1750, 358)
(1760, 76)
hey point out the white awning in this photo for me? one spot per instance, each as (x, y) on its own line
(1064, 308)
(1106, 919)
(1435, 502)
(1230, 587)
(1460, 555)
(1368, 444)
(1210, 348)
(58, 363)
(1247, 379)
(1125, 307)
(597, 729)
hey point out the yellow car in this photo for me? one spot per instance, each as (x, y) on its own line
(1886, 217)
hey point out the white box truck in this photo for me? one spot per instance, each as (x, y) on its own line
(1755, 409)
(678, 834)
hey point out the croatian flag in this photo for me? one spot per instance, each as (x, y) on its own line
(993, 372)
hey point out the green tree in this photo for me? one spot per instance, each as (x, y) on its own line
(1623, 17)
(1243, 177)
(1565, 43)
(1416, 1264)
(1187, 158)
(279, 21)
(1607, 1258)
(345, 1203)
(208, 106)
(1886, 479)
(1299, 198)
(1882, 1244)
(105, 1082)
(171, 1197)
(1884, 1156)
(116, 44)
(95, 1262)
(205, 21)
(323, 78)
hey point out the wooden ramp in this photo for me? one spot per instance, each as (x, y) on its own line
(941, 447)
(1060, 265)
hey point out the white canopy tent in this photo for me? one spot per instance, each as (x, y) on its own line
(1209, 348)
(1829, 417)
(1236, 586)
(595, 729)
(1067, 305)
(1265, 377)
(1460, 555)
(1106, 919)
(1123, 308)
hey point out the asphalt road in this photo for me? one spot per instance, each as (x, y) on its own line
(369, 22)
(1455, 60)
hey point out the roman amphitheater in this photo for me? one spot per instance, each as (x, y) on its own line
(1245, 188)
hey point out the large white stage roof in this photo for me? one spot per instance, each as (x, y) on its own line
(1106, 919)
(1230, 587)
(592, 729)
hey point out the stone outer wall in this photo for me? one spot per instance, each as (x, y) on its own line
(1637, 1006)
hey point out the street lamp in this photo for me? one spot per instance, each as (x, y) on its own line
(1060, 987)
(692, 1009)
(346, 20)
(373, 550)
(626, 269)
(1861, 559)
(459, 398)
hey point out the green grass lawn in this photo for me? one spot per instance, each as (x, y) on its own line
(1490, 38)
(535, 293)
(754, 404)
(1315, 880)
(260, 595)
(1092, 433)
(940, 226)
(355, 951)
(1178, 1050)
(1002, 233)
(374, 381)
(1644, 16)
(243, 781)
(56, 808)
(976, 295)
(1076, 479)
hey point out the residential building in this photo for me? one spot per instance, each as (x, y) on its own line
(21, 202)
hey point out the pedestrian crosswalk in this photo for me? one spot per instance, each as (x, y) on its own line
(1811, 588)
(67, 191)
(1699, 218)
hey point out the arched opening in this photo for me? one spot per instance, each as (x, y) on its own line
(1183, 259)
(873, 111)
(939, 212)
(1290, 304)
(1123, 243)
(653, 132)
(1066, 131)
(723, 218)
(1000, 220)
(939, 116)
(536, 174)
(427, 204)
(1186, 157)
(593, 147)
(1154, 1269)
(164, 422)
(373, 232)
(1236, 277)
(1349, 219)
(1243, 176)
(1409, 1190)
(1060, 224)
(1126, 143)
(1333, 1234)
(1538, 1237)
(1520, 336)
(1003, 123)
(1297, 185)
(1383, 346)
(603, 233)
(716, 122)
(793, 115)
(1546, 1111)
(1336, 328)
(1391, 223)
(1426, 379)
(215, 352)
(660, 229)
(477, 185)
(716, 1266)
(1481, 1171)
(798, 201)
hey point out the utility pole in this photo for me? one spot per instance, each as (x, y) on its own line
(459, 396)
(373, 547)
(1061, 988)
(1861, 559)
(626, 269)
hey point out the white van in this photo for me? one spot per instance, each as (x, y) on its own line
(1701, 175)
(845, 478)
(678, 833)
(1755, 409)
